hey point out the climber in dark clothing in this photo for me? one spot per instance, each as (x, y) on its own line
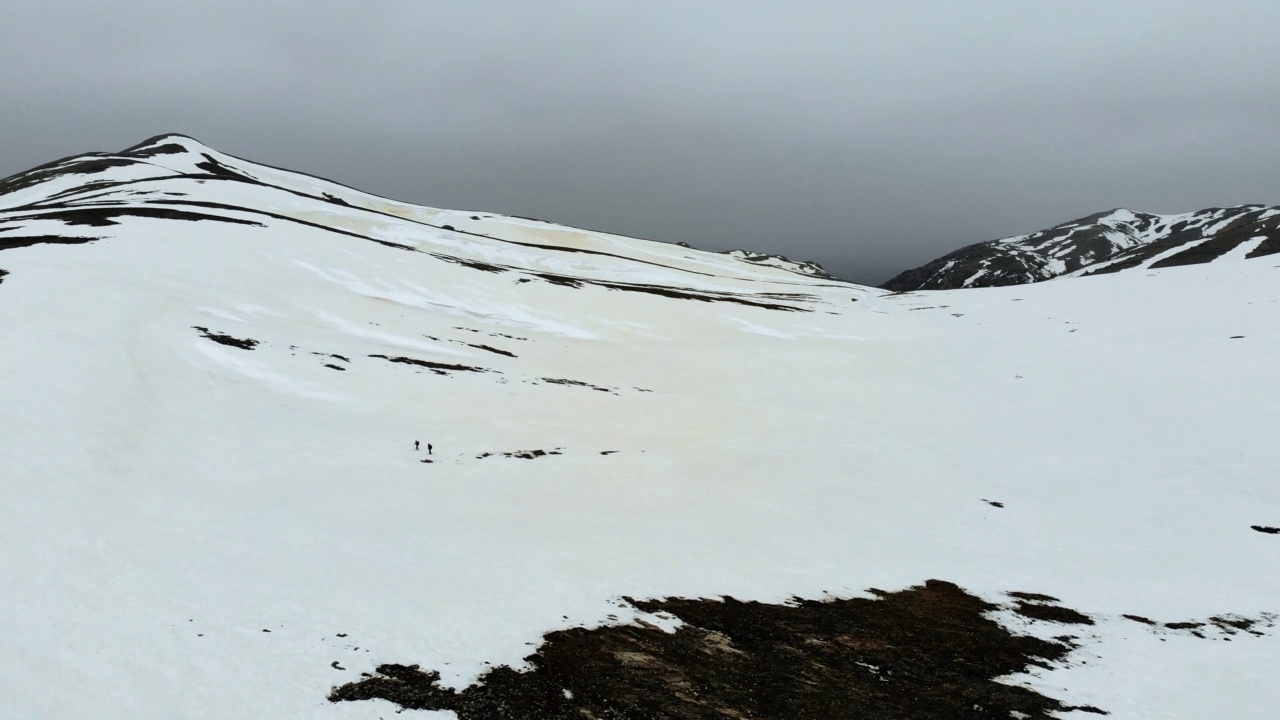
(428, 448)
(415, 445)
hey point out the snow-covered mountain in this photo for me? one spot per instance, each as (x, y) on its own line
(1103, 243)
(175, 177)
(214, 374)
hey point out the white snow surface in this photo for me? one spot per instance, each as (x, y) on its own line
(170, 500)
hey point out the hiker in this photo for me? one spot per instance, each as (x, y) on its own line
(428, 448)
(415, 446)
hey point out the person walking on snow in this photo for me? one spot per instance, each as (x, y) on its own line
(415, 445)
(428, 448)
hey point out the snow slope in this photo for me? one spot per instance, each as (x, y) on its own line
(1103, 243)
(212, 495)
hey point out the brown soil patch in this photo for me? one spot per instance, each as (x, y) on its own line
(1052, 613)
(925, 652)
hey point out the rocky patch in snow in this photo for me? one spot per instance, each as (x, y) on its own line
(803, 267)
(925, 652)
(488, 348)
(438, 368)
(18, 241)
(1041, 607)
(473, 264)
(523, 454)
(492, 334)
(578, 383)
(760, 300)
(228, 340)
(930, 651)
(1224, 625)
(111, 215)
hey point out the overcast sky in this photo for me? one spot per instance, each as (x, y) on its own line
(869, 137)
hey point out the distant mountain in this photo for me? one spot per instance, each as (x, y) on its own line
(803, 267)
(1103, 243)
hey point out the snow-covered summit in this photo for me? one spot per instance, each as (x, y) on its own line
(177, 177)
(1103, 243)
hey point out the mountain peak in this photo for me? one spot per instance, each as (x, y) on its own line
(174, 176)
(167, 143)
(1104, 242)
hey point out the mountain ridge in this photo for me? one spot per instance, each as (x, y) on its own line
(1105, 242)
(185, 156)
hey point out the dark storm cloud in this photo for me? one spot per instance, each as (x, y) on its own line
(866, 137)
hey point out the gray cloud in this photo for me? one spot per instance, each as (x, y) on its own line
(867, 137)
